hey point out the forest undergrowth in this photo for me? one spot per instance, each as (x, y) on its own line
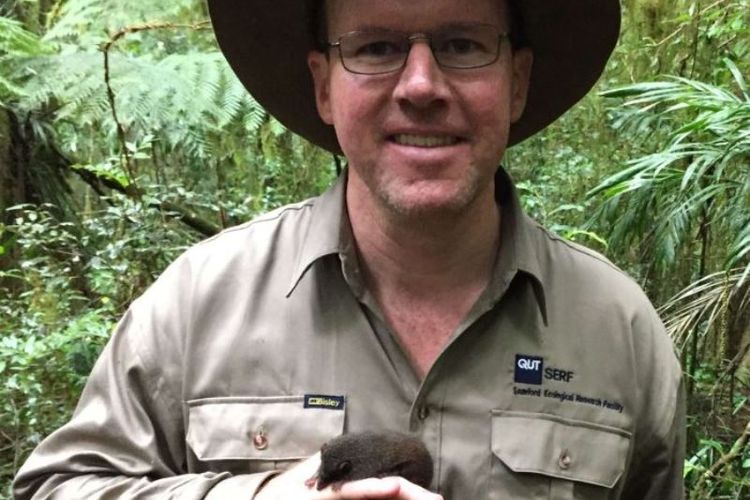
(125, 138)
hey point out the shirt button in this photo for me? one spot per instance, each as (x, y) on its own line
(564, 460)
(423, 413)
(260, 439)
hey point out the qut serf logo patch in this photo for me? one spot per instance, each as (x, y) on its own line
(528, 369)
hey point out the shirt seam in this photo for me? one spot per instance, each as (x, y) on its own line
(582, 250)
(267, 217)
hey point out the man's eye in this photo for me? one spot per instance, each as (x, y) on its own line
(460, 46)
(378, 49)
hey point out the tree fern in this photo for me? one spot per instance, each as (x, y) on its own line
(17, 45)
(188, 96)
(172, 92)
(87, 23)
(15, 41)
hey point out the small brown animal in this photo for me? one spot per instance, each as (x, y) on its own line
(372, 454)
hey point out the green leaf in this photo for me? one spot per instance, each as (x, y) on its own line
(738, 78)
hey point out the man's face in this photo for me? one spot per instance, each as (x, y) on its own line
(424, 139)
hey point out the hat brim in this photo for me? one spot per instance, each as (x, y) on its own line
(267, 41)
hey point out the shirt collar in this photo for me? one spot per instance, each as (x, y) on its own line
(329, 232)
(519, 248)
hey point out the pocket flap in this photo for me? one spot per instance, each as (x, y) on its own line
(558, 447)
(225, 428)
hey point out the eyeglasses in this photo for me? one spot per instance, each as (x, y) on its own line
(373, 52)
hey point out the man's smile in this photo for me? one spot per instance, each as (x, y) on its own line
(424, 141)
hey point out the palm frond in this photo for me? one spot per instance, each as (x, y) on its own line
(739, 251)
(700, 167)
(699, 307)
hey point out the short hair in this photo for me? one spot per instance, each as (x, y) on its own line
(318, 24)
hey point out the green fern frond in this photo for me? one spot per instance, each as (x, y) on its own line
(88, 22)
(17, 47)
(15, 41)
(255, 116)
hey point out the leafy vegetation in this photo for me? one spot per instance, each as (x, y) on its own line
(125, 138)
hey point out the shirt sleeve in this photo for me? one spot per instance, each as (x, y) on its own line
(656, 472)
(127, 436)
(659, 471)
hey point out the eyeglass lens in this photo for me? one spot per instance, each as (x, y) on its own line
(383, 51)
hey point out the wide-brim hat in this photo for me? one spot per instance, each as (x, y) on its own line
(267, 41)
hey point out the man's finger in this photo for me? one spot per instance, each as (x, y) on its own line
(395, 488)
(369, 488)
(409, 491)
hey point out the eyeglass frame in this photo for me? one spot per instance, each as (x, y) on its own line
(412, 38)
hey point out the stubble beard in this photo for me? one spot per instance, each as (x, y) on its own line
(414, 204)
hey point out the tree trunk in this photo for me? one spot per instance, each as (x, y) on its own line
(733, 355)
(12, 178)
(6, 177)
(12, 185)
(33, 15)
(738, 330)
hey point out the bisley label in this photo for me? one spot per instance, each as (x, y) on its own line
(324, 401)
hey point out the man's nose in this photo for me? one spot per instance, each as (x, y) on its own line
(422, 81)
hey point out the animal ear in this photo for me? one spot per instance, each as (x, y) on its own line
(398, 469)
(344, 467)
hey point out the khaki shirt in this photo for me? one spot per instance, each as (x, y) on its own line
(258, 345)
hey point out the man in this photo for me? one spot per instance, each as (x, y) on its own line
(414, 295)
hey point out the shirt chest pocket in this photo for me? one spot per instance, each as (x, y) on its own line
(256, 434)
(543, 456)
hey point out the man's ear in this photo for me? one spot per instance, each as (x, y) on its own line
(318, 64)
(523, 60)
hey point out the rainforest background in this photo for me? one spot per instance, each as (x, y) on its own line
(125, 138)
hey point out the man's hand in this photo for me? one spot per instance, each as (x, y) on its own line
(291, 484)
